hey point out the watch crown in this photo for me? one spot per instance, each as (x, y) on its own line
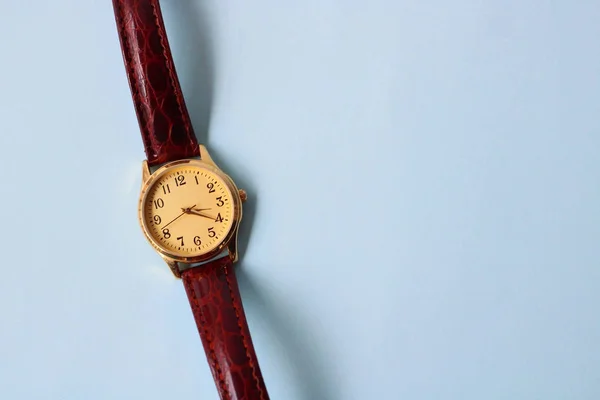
(243, 195)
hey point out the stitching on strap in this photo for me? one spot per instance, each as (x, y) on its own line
(244, 340)
(211, 352)
(172, 78)
(132, 76)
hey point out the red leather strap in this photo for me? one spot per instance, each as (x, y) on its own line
(215, 299)
(164, 121)
(168, 135)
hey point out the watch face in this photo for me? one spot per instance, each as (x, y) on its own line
(188, 210)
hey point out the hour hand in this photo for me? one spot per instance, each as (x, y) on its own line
(189, 209)
(194, 212)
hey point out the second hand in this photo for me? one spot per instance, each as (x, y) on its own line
(177, 217)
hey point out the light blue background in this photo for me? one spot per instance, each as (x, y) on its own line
(424, 187)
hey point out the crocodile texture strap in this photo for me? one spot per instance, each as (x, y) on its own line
(164, 121)
(217, 307)
(168, 135)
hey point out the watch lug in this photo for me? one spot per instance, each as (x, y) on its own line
(204, 156)
(145, 171)
(173, 266)
(232, 245)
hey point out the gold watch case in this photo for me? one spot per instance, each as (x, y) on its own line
(229, 242)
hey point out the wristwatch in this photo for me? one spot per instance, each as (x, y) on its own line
(189, 209)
